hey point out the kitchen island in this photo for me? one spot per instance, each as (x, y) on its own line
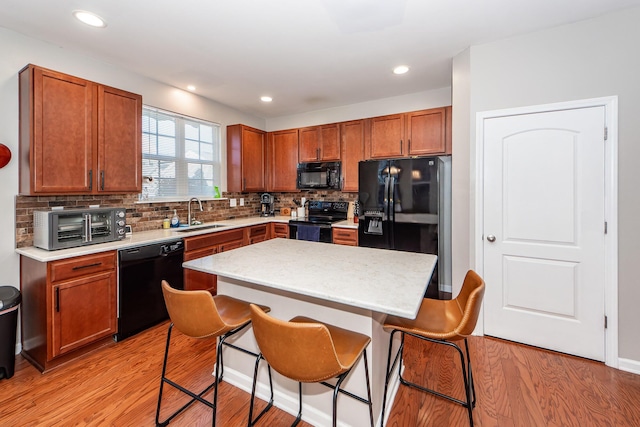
(350, 287)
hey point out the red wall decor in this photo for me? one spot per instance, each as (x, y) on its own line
(5, 155)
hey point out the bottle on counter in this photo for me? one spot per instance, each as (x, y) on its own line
(175, 220)
(166, 223)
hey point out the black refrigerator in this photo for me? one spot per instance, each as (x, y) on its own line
(405, 205)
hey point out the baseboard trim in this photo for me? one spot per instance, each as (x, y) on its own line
(629, 365)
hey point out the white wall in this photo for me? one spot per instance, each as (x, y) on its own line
(380, 107)
(460, 170)
(18, 51)
(588, 59)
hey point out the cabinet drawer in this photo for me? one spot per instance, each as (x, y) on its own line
(280, 230)
(343, 236)
(80, 266)
(258, 230)
(227, 246)
(200, 253)
(213, 239)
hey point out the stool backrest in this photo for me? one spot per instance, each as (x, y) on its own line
(300, 351)
(194, 313)
(470, 300)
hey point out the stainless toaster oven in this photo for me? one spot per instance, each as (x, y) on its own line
(68, 228)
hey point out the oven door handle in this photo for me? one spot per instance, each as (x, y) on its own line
(87, 228)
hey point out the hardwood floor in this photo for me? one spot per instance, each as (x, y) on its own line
(516, 385)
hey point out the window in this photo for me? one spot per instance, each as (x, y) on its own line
(180, 154)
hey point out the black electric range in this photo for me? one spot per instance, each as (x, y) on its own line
(316, 226)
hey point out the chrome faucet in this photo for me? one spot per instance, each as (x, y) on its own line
(193, 221)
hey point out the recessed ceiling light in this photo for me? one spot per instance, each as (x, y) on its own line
(191, 88)
(400, 69)
(266, 99)
(89, 18)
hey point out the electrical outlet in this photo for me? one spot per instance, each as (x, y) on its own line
(242, 201)
(232, 203)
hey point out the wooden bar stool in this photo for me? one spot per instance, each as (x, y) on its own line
(198, 314)
(441, 322)
(306, 350)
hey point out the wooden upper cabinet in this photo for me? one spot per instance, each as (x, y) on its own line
(119, 141)
(319, 143)
(309, 144)
(352, 134)
(426, 132)
(76, 136)
(283, 160)
(56, 132)
(417, 133)
(387, 136)
(246, 159)
(330, 142)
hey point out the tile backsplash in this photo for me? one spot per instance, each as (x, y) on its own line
(149, 216)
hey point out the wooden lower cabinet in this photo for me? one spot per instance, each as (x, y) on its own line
(221, 241)
(280, 230)
(257, 233)
(204, 245)
(345, 236)
(68, 307)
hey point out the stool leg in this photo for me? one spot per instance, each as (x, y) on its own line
(336, 390)
(366, 374)
(253, 392)
(164, 371)
(299, 417)
(473, 388)
(390, 369)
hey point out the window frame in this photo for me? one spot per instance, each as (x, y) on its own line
(181, 161)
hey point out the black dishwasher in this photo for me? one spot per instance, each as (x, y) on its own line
(140, 272)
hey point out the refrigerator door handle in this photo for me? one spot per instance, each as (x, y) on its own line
(392, 201)
(386, 198)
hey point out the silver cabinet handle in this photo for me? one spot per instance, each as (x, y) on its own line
(491, 238)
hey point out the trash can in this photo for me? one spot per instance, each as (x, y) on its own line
(9, 301)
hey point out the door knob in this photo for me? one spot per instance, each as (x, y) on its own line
(491, 238)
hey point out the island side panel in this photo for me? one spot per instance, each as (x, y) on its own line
(316, 398)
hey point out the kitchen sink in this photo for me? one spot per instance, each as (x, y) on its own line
(199, 227)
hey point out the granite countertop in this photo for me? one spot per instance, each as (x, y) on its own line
(145, 238)
(392, 282)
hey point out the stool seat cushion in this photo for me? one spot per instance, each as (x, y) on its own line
(437, 319)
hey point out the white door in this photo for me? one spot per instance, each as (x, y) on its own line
(544, 229)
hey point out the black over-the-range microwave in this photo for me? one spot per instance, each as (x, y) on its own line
(319, 175)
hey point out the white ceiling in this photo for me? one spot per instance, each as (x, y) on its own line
(307, 54)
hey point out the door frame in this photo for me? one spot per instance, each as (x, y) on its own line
(610, 205)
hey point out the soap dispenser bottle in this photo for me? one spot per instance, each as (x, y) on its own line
(175, 221)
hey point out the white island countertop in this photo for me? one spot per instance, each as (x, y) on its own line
(392, 282)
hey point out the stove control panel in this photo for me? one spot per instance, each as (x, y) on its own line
(327, 207)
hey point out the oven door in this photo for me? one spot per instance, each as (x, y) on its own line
(309, 231)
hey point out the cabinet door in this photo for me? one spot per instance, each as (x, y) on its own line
(309, 144)
(387, 137)
(119, 142)
(197, 280)
(344, 236)
(257, 233)
(253, 160)
(84, 310)
(352, 152)
(330, 142)
(283, 160)
(426, 132)
(279, 230)
(61, 130)
(246, 159)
